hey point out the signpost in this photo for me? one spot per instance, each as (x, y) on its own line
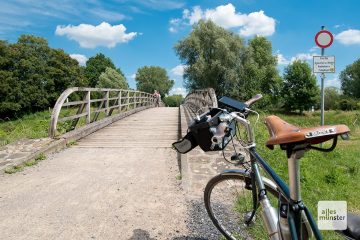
(323, 64)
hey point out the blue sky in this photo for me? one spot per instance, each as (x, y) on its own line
(134, 33)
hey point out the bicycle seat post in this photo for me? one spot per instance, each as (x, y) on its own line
(294, 154)
(294, 172)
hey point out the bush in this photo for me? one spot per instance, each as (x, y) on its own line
(348, 104)
(173, 101)
(33, 75)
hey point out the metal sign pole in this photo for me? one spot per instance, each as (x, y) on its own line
(322, 88)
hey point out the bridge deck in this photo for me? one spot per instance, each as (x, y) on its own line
(118, 183)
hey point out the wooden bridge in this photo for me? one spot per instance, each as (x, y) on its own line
(114, 175)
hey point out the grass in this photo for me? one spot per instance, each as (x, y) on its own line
(29, 163)
(36, 125)
(14, 169)
(30, 126)
(71, 143)
(324, 176)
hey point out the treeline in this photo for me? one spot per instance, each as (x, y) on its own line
(218, 58)
(33, 75)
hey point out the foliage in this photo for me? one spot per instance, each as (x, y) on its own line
(28, 126)
(97, 65)
(213, 58)
(300, 91)
(111, 78)
(150, 78)
(350, 80)
(33, 75)
(219, 59)
(173, 100)
(259, 73)
(323, 175)
(348, 104)
(332, 96)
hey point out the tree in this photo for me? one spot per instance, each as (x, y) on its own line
(218, 58)
(10, 89)
(213, 58)
(173, 100)
(300, 91)
(150, 78)
(112, 79)
(33, 75)
(350, 80)
(332, 97)
(62, 72)
(97, 65)
(259, 73)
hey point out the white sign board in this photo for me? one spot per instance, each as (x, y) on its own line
(324, 64)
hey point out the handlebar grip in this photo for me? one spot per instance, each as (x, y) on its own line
(254, 99)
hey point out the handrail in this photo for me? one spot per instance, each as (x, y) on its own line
(121, 99)
(199, 101)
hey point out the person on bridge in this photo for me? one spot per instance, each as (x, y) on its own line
(157, 97)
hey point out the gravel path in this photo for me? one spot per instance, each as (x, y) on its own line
(119, 183)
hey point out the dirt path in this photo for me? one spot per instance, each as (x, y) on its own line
(119, 183)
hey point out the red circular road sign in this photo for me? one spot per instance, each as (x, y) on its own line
(324, 39)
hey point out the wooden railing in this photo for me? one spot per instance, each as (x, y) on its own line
(93, 103)
(200, 101)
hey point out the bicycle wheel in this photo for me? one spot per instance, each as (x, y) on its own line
(229, 202)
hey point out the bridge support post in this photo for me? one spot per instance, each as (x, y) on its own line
(119, 101)
(88, 107)
(107, 103)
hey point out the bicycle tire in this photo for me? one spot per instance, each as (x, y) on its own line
(220, 215)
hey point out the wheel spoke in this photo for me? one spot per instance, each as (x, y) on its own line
(230, 204)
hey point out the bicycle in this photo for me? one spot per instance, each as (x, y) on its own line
(246, 188)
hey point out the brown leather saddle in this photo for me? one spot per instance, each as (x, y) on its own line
(284, 133)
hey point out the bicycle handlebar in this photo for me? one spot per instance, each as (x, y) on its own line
(254, 99)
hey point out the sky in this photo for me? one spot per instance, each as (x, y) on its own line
(135, 33)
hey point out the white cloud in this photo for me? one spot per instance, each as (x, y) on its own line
(258, 24)
(89, 36)
(334, 82)
(303, 57)
(36, 13)
(193, 16)
(172, 29)
(349, 37)
(80, 58)
(314, 49)
(282, 60)
(255, 23)
(178, 70)
(178, 91)
(133, 76)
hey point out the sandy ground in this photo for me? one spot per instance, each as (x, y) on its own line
(96, 190)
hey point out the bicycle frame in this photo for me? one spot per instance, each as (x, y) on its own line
(291, 192)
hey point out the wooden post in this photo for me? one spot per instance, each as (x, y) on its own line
(88, 107)
(80, 110)
(127, 100)
(119, 101)
(107, 103)
(137, 99)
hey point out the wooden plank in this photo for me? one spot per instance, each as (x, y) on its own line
(73, 103)
(72, 117)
